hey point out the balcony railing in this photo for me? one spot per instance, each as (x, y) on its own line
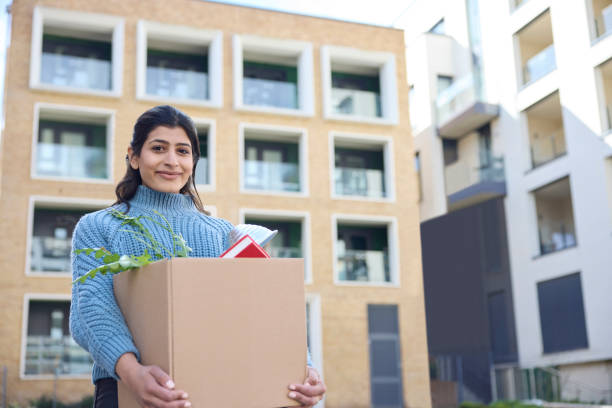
(356, 102)
(363, 266)
(48, 355)
(71, 161)
(78, 72)
(50, 254)
(555, 236)
(285, 252)
(547, 148)
(265, 92)
(177, 83)
(201, 174)
(359, 182)
(603, 22)
(460, 95)
(261, 175)
(539, 65)
(463, 174)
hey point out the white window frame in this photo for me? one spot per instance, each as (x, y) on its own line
(384, 61)
(284, 215)
(392, 240)
(63, 111)
(55, 202)
(302, 51)
(83, 21)
(211, 126)
(213, 39)
(365, 140)
(277, 133)
(313, 300)
(24, 335)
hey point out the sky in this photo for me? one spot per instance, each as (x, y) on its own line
(379, 12)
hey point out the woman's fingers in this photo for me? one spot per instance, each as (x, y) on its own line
(163, 388)
(161, 377)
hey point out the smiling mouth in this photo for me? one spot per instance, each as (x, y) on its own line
(168, 175)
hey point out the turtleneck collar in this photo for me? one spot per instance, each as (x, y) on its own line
(147, 198)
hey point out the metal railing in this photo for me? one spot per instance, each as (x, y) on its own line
(539, 65)
(463, 174)
(555, 236)
(603, 21)
(285, 252)
(49, 355)
(546, 148)
(50, 254)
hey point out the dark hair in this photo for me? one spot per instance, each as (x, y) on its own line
(170, 117)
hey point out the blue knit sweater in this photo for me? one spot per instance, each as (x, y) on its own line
(96, 323)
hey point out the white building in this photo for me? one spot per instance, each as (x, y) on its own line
(514, 98)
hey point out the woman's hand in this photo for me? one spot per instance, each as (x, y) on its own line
(150, 385)
(309, 393)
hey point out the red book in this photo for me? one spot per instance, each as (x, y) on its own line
(246, 247)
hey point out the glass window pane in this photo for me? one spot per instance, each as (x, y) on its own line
(271, 166)
(178, 75)
(354, 94)
(270, 85)
(359, 172)
(363, 254)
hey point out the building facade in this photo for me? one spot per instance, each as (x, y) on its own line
(302, 127)
(510, 100)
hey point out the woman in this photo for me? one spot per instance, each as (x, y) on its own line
(161, 164)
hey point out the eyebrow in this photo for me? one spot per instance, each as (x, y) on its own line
(167, 143)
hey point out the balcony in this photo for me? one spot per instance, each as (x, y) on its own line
(75, 71)
(177, 83)
(602, 11)
(468, 183)
(50, 254)
(356, 102)
(363, 266)
(359, 182)
(272, 85)
(546, 131)
(555, 214)
(272, 176)
(285, 252)
(50, 355)
(71, 161)
(539, 65)
(461, 108)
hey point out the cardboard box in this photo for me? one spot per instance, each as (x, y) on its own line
(230, 332)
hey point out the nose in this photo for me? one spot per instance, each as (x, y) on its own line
(171, 159)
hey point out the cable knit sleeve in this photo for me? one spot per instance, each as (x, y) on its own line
(96, 322)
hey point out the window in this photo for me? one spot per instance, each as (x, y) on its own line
(293, 238)
(49, 347)
(417, 169)
(450, 151)
(546, 132)
(536, 49)
(273, 160)
(205, 168)
(179, 63)
(602, 16)
(365, 250)
(604, 77)
(362, 167)
(556, 229)
(562, 317)
(72, 143)
(76, 52)
(359, 85)
(273, 75)
(438, 28)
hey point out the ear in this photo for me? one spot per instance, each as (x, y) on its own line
(132, 159)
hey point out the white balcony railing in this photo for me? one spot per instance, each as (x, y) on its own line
(78, 72)
(177, 83)
(50, 254)
(359, 182)
(49, 355)
(269, 176)
(460, 95)
(201, 174)
(603, 22)
(363, 266)
(539, 65)
(285, 252)
(265, 92)
(356, 102)
(61, 160)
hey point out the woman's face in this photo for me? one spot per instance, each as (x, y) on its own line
(165, 161)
